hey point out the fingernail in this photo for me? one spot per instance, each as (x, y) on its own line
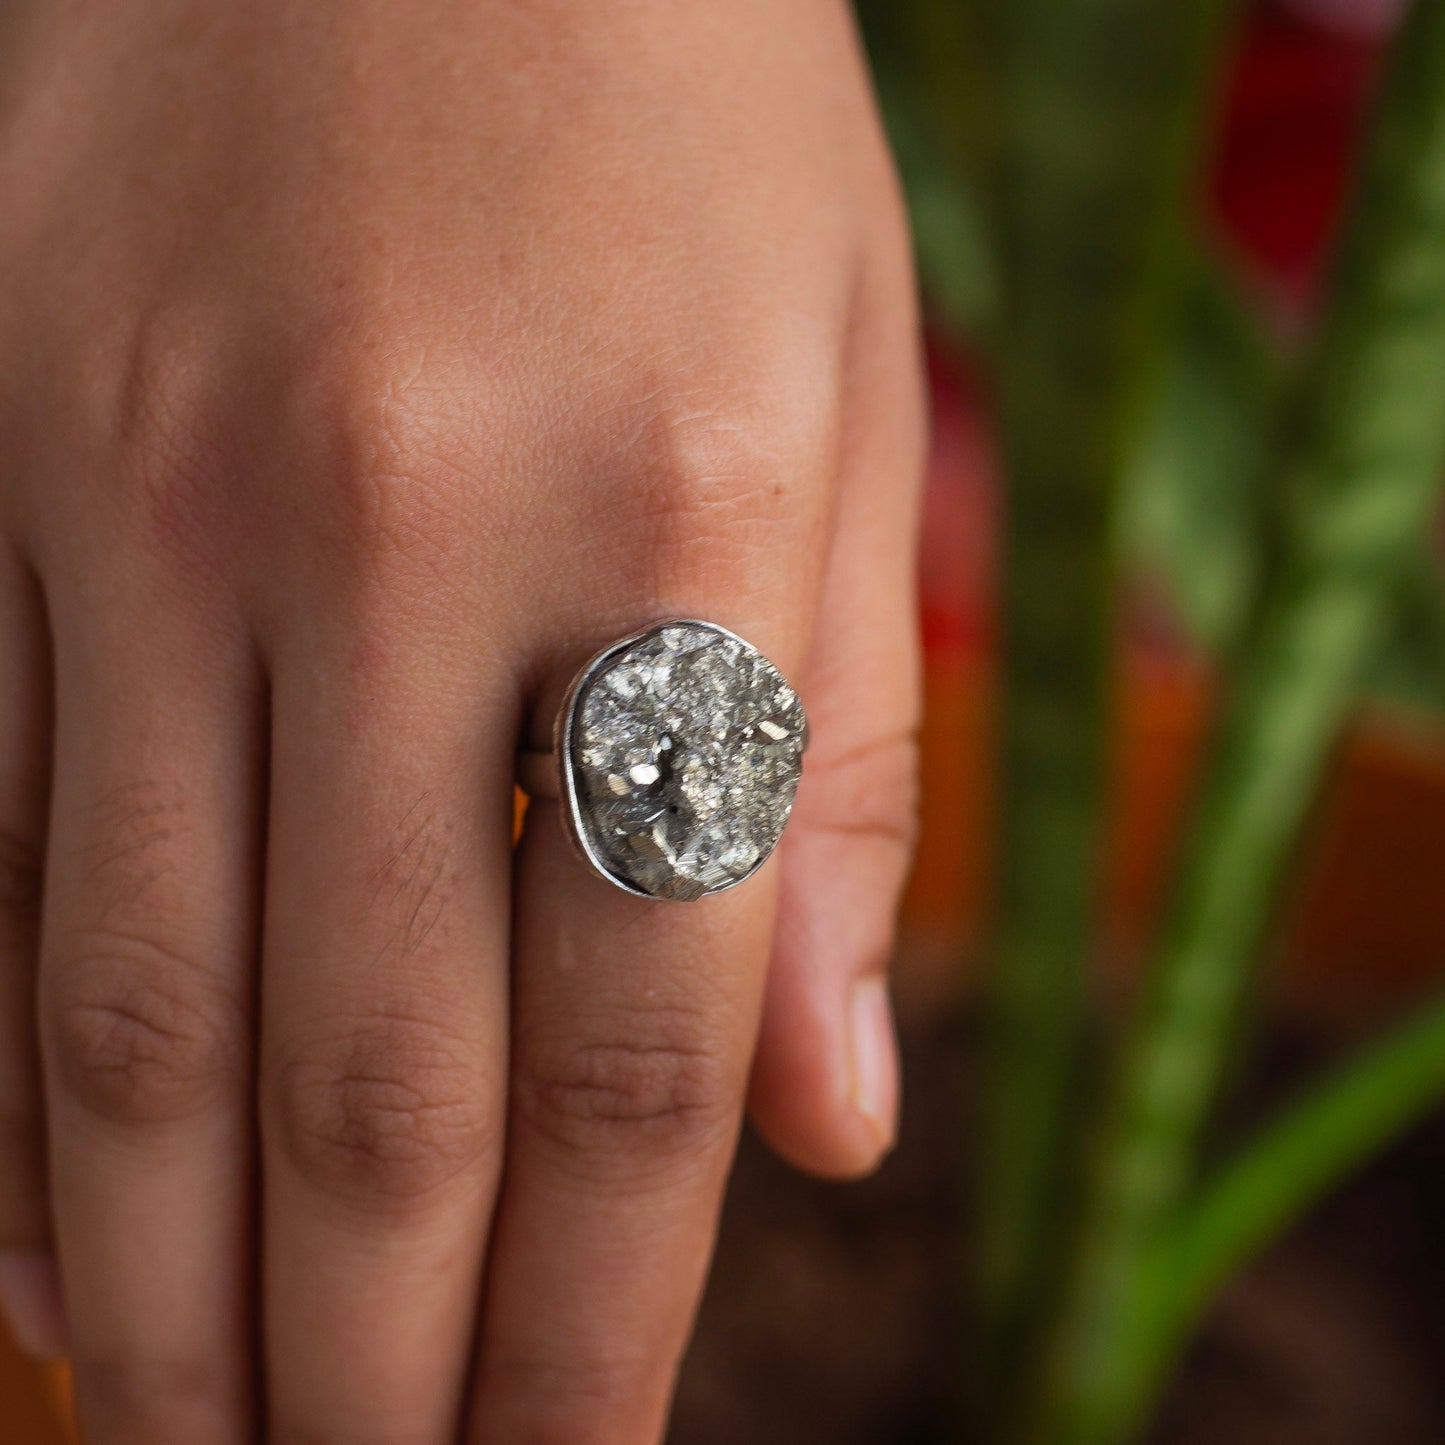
(874, 1057)
(30, 1302)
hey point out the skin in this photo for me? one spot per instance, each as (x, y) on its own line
(366, 366)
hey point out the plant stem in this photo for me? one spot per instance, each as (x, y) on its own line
(1099, 103)
(1360, 476)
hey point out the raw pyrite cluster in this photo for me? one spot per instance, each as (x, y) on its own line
(686, 746)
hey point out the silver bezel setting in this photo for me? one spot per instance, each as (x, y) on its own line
(564, 736)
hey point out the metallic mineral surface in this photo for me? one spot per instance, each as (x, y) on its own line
(686, 747)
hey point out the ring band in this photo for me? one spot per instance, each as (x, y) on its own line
(677, 752)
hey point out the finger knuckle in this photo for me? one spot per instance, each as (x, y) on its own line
(403, 456)
(141, 1034)
(742, 472)
(178, 474)
(384, 1111)
(633, 1100)
(872, 791)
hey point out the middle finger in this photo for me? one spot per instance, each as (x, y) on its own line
(383, 1027)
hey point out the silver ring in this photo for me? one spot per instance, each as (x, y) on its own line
(676, 755)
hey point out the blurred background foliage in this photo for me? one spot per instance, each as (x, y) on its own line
(1192, 513)
(1274, 470)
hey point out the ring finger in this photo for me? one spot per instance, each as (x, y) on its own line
(633, 1029)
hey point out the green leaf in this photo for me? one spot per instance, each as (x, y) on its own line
(1309, 1150)
(1096, 106)
(1194, 511)
(1408, 668)
(1358, 476)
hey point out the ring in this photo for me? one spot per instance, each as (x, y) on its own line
(676, 755)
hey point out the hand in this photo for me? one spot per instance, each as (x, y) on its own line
(367, 365)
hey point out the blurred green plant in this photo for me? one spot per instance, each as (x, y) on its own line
(1147, 418)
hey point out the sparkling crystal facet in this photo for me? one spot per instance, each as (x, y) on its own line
(686, 749)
